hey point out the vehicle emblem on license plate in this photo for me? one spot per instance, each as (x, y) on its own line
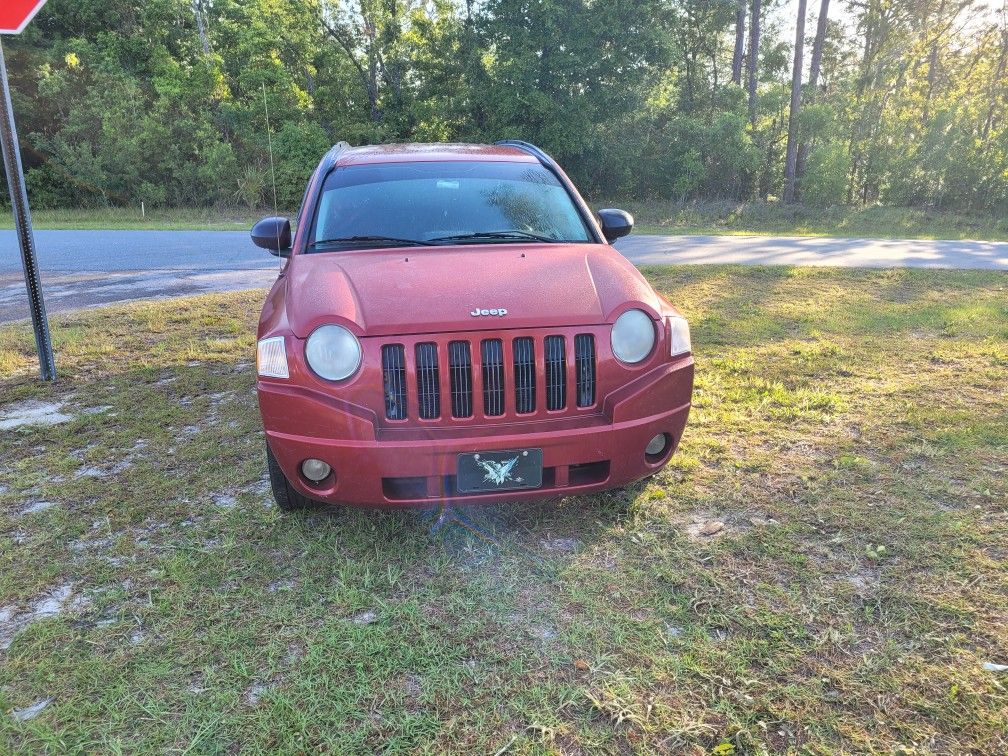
(498, 473)
(498, 311)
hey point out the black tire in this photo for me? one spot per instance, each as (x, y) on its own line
(286, 496)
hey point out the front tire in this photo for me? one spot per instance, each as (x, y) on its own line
(286, 496)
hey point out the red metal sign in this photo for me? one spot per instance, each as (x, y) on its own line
(15, 14)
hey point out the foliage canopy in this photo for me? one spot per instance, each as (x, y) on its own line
(162, 101)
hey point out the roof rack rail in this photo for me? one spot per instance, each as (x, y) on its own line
(529, 148)
(333, 155)
(551, 165)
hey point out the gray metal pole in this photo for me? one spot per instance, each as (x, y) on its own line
(22, 219)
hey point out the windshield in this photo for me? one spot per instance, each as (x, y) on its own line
(452, 202)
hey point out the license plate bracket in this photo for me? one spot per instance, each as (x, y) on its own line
(508, 470)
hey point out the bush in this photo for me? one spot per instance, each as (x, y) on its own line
(825, 179)
(297, 149)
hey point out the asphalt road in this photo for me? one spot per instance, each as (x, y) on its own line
(88, 268)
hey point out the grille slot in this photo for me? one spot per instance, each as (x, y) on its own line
(584, 355)
(524, 374)
(492, 351)
(556, 373)
(394, 379)
(460, 378)
(428, 381)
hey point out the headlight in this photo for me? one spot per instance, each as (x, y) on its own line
(271, 358)
(333, 352)
(680, 336)
(633, 336)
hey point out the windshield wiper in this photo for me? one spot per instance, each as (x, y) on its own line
(371, 239)
(511, 234)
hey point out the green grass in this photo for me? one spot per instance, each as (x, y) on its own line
(779, 219)
(653, 217)
(850, 430)
(131, 218)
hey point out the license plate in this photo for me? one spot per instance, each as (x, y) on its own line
(499, 470)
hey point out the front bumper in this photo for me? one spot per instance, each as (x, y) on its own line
(378, 466)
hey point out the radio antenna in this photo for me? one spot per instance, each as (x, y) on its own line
(269, 143)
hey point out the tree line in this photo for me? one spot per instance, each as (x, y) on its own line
(899, 102)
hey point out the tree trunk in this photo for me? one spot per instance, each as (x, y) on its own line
(752, 57)
(792, 127)
(932, 68)
(992, 89)
(813, 83)
(369, 76)
(736, 66)
(197, 9)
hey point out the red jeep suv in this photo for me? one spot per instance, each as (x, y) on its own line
(452, 325)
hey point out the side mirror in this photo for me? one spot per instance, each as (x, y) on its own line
(273, 234)
(615, 223)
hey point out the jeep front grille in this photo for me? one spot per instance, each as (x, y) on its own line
(556, 373)
(584, 355)
(460, 369)
(524, 375)
(428, 381)
(492, 351)
(394, 379)
(537, 376)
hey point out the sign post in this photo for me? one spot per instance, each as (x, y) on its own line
(14, 16)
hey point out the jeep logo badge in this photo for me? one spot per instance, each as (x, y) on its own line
(499, 311)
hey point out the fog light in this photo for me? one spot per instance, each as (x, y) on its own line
(657, 445)
(315, 470)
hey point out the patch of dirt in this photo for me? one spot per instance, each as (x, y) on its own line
(262, 486)
(864, 580)
(561, 545)
(222, 396)
(542, 632)
(32, 412)
(364, 618)
(225, 501)
(255, 693)
(705, 529)
(38, 506)
(673, 631)
(90, 472)
(51, 604)
(30, 712)
(97, 410)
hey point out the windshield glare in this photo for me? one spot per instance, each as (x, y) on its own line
(433, 201)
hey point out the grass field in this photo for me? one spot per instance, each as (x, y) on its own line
(822, 568)
(779, 219)
(131, 218)
(653, 217)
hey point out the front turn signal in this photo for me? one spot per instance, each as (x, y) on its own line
(271, 358)
(681, 343)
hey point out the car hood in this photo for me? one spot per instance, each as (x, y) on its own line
(435, 290)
